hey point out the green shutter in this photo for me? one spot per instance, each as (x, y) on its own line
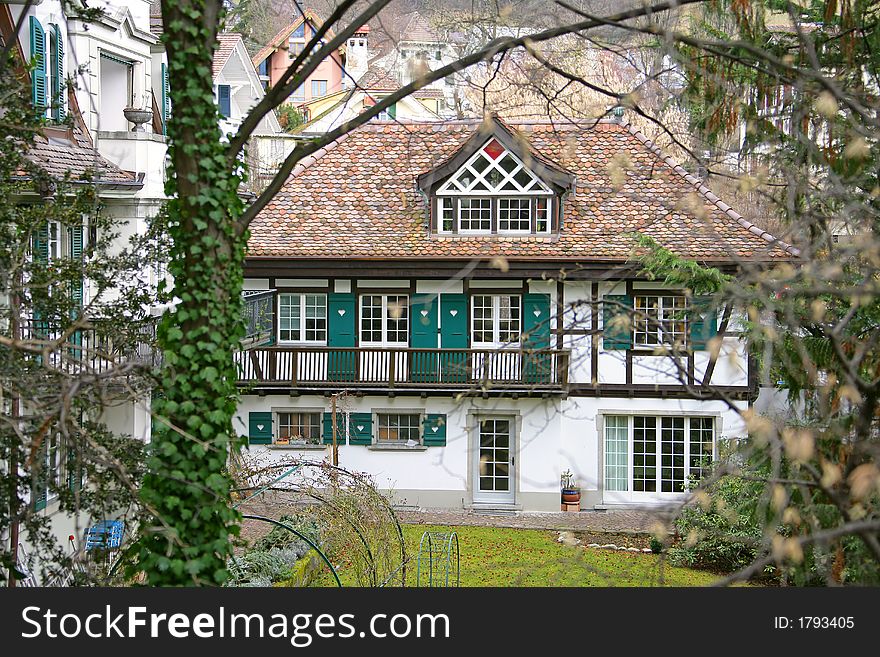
(41, 244)
(423, 335)
(260, 428)
(166, 99)
(617, 334)
(536, 321)
(538, 368)
(392, 111)
(40, 477)
(453, 335)
(327, 429)
(75, 243)
(38, 57)
(74, 470)
(341, 365)
(58, 87)
(434, 430)
(360, 428)
(703, 318)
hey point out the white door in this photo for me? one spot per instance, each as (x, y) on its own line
(494, 461)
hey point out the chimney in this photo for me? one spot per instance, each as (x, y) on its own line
(356, 56)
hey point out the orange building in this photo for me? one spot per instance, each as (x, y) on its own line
(331, 74)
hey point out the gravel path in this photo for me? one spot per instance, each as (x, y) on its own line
(624, 521)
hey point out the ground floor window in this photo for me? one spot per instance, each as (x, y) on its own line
(399, 427)
(651, 454)
(294, 427)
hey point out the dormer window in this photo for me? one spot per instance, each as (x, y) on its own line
(496, 184)
(494, 192)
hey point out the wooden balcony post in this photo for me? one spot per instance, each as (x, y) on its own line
(392, 367)
(294, 367)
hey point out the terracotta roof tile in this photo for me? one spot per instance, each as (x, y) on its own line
(357, 198)
(226, 42)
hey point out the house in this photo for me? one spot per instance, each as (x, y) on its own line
(329, 77)
(237, 86)
(331, 111)
(105, 130)
(419, 49)
(465, 293)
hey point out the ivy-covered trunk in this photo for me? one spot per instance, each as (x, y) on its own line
(187, 489)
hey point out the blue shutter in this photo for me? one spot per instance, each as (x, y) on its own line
(616, 333)
(38, 56)
(59, 91)
(360, 428)
(327, 429)
(260, 428)
(224, 98)
(703, 322)
(434, 430)
(166, 99)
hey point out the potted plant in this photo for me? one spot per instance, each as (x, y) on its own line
(571, 493)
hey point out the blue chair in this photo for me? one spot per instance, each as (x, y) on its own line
(104, 535)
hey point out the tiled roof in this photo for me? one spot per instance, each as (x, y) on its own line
(63, 152)
(284, 33)
(156, 18)
(226, 42)
(358, 198)
(78, 158)
(419, 31)
(378, 79)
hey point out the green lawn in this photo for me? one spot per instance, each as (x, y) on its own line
(525, 557)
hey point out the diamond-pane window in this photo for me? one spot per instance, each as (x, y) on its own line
(493, 149)
(479, 165)
(508, 163)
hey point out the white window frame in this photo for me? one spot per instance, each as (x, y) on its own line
(689, 467)
(303, 333)
(398, 414)
(474, 231)
(518, 200)
(276, 432)
(496, 321)
(660, 325)
(385, 317)
(445, 204)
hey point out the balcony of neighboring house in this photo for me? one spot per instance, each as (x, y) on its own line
(94, 349)
(389, 369)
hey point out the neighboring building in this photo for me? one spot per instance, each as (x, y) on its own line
(418, 50)
(336, 109)
(237, 86)
(117, 65)
(449, 279)
(329, 76)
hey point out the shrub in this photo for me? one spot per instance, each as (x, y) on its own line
(726, 534)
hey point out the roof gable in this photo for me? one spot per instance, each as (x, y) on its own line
(525, 155)
(284, 34)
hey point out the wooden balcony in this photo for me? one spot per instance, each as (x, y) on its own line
(389, 369)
